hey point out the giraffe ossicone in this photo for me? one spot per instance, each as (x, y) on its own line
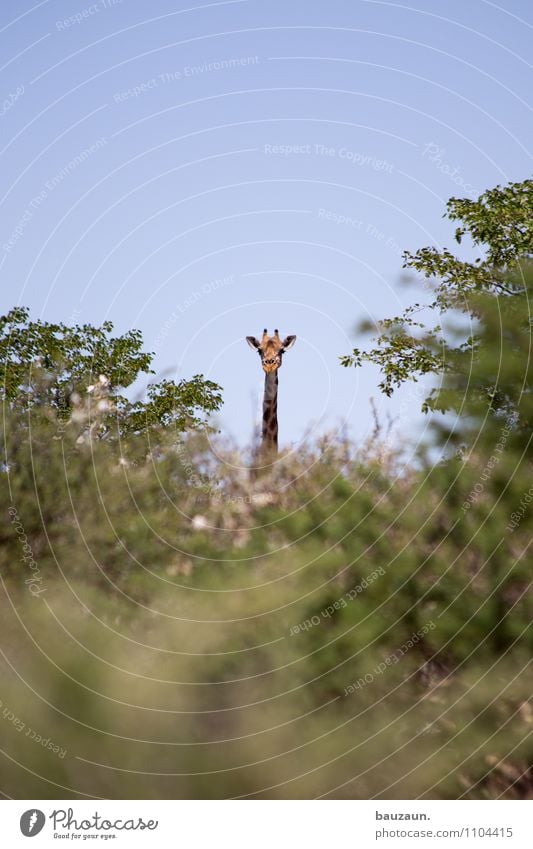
(270, 350)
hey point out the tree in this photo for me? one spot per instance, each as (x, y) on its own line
(53, 366)
(500, 224)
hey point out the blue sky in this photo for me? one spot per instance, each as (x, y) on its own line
(203, 170)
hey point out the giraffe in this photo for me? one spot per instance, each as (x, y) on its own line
(271, 350)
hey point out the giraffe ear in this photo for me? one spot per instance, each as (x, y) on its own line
(252, 341)
(288, 342)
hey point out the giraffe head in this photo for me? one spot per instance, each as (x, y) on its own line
(271, 349)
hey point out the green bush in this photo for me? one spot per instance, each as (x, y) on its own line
(202, 632)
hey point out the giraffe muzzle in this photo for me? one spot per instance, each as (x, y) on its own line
(270, 365)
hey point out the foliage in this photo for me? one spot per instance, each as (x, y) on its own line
(51, 365)
(334, 626)
(493, 379)
(499, 224)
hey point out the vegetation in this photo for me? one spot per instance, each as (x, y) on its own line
(499, 225)
(52, 365)
(340, 626)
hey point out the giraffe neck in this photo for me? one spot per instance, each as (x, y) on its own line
(270, 413)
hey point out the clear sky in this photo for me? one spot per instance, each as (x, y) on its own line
(203, 170)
